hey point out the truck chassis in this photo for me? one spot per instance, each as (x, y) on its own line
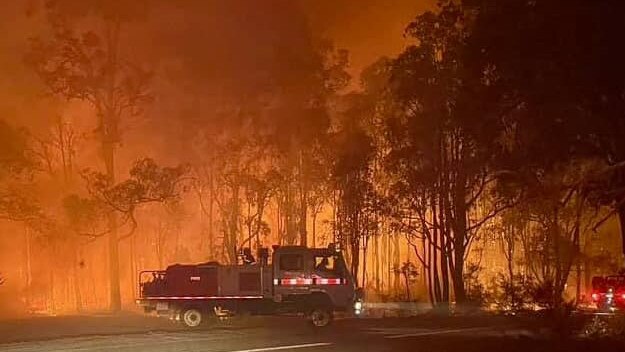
(294, 283)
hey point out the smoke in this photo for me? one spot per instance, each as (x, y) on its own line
(205, 55)
(369, 29)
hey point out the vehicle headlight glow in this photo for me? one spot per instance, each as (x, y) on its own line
(358, 307)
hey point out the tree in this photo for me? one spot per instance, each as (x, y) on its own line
(441, 144)
(560, 84)
(357, 200)
(259, 188)
(148, 183)
(17, 163)
(300, 135)
(558, 216)
(84, 65)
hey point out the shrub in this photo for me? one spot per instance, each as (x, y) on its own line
(512, 294)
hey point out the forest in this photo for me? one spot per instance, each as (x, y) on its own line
(482, 165)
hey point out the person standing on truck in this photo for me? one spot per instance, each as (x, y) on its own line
(248, 258)
(324, 265)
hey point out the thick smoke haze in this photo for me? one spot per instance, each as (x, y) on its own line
(139, 134)
(368, 28)
(206, 59)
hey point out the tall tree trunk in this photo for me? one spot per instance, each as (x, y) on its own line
(314, 229)
(458, 276)
(108, 150)
(396, 263)
(460, 235)
(303, 217)
(279, 223)
(211, 225)
(335, 216)
(261, 210)
(509, 242)
(384, 262)
(587, 267)
(621, 217)
(234, 226)
(364, 260)
(29, 273)
(407, 283)
(389, 268)
(76, 279)
(355, 244)
(289, 217)
(376, 261)
(109, 137)
(444, 263)
(559, 267)
(427, 252)
(133, 266)
(51, 292)
(435, 266)
(159, 246)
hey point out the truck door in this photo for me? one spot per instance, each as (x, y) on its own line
(330, 276)
(292, 271)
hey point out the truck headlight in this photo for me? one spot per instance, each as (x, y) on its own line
(357, 307)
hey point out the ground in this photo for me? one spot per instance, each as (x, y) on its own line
(130, 332)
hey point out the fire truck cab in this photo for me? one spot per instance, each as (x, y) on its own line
(313, 282)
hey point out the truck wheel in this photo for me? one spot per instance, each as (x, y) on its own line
(320, 317)
(191, 317)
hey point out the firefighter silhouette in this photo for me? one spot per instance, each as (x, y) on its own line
(324, 265)
(248, 258)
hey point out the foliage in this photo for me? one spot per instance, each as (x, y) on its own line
(544, 293)
(441, 149)
(357, 198)
(512, 294)
(546, 127)
(148, 183)
(79, 66)
(15, 156)
(82, 60)
(476, 292)
(17, 164)
(605, 327)
(16, 206)
(408, 270)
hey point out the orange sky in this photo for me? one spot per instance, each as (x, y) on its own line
(367, 28)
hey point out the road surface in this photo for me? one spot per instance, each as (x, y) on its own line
(260, 334)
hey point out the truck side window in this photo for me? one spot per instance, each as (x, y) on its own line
(325, 264)
(291, 262)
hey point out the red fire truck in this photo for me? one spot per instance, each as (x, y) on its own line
(310, 282)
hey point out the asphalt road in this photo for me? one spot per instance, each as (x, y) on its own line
(259, 334)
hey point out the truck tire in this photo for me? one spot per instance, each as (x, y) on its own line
(321, 317)
(192, 317)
